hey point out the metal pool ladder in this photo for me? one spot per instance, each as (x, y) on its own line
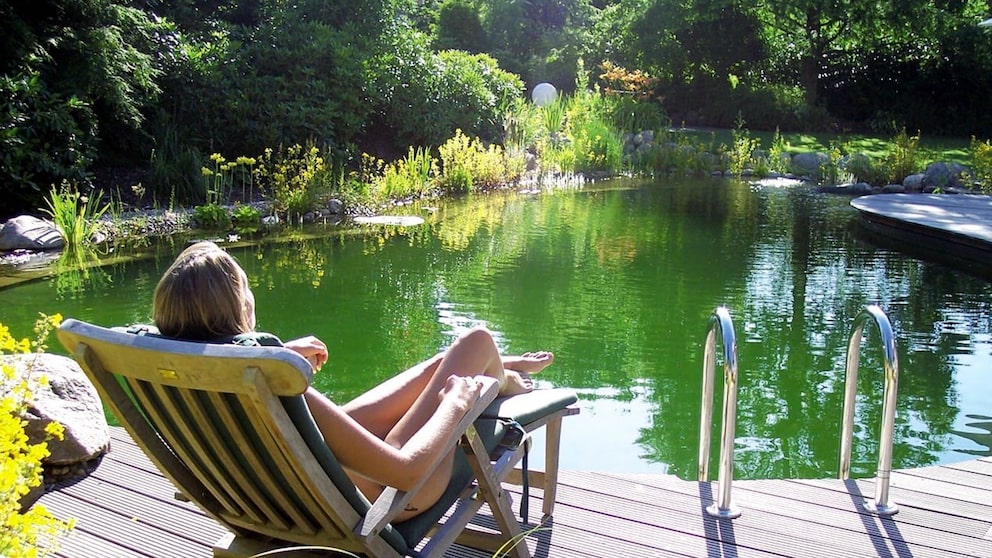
(881, 505)
(720, 320)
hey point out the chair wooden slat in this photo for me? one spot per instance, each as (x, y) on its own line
(149, 398)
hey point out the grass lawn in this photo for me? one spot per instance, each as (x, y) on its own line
(932, 149)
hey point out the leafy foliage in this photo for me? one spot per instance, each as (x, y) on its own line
(44, 138)
(211, 216)
(460, 27)
(981, 163)
(75, 77)
(33, 532)
(423, 97)
(294, 179)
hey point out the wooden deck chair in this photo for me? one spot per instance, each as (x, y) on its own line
(229, 426)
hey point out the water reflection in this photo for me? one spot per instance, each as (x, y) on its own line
(619, 283)
(982, 438)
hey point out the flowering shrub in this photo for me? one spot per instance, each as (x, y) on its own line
(34, 532)
(294, 179)
(467, 164)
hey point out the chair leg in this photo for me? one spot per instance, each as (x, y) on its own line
(551, 447)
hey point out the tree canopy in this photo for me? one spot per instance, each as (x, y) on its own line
(90, 83)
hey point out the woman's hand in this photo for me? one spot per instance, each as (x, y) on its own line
(463, 391)
(311, 348)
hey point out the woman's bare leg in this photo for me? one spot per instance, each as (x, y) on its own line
(473, 354)
(399, 407)
(380, 408)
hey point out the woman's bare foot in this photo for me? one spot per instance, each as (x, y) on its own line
(517, 371)
(529, 363)
(516, 383)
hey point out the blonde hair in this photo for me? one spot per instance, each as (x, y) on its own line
(203, 296)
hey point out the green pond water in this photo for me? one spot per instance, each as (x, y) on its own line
(619, 282)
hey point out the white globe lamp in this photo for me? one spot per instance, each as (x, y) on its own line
(544, 94)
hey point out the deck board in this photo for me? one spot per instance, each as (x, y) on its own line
(126, 509)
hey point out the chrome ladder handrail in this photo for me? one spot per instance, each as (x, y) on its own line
(881, 505)
(720, 318)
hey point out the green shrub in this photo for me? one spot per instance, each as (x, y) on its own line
(45, 138)
(981, 163)
(903, 160)
(467, 164)
(211, 216)
(35, 531)
(422, 97)
(294, 179)
(459, 27)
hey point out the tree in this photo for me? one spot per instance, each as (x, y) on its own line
(460, 27)
(540, 40)
(71, 72)
(815, 36)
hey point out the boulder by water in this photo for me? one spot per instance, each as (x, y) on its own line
(25, 232)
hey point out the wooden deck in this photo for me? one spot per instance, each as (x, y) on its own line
(126, 509)
(955, 230)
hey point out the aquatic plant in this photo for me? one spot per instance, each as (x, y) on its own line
(76, 215)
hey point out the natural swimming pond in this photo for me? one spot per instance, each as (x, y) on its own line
(619, 281)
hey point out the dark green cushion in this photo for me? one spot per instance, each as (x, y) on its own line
(528, 407)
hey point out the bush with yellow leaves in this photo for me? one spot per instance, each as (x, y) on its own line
(33, 532)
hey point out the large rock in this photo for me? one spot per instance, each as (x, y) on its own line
(72, 401)
(29, 233)
(946, 176)
(808, 164)
(914, 182)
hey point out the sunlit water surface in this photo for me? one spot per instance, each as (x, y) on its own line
(619, 281)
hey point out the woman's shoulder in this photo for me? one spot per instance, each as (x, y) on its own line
(255, 339)
(250, 339)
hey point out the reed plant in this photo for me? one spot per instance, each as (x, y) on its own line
(553, 117)
(75, 215)
(406, 177)
(523, 124)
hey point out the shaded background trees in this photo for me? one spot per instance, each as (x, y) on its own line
(154, 86)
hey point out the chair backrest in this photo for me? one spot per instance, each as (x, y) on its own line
(223, 423)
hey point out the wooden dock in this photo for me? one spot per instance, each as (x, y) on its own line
(125, 509)
(955, 230)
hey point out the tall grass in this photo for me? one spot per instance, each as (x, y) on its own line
(74, 214)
